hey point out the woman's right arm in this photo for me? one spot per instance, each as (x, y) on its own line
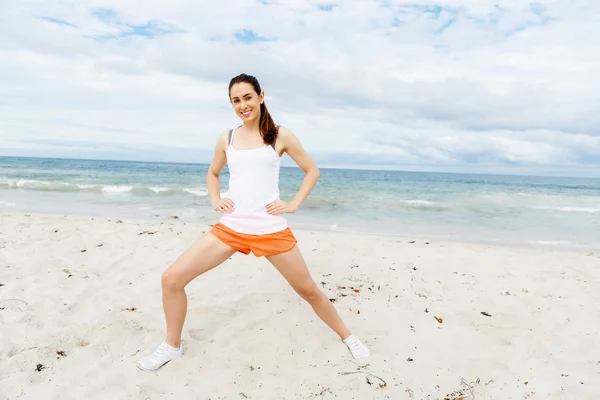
(212, 177)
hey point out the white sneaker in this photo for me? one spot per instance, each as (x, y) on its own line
(162, 355)
(357, 348)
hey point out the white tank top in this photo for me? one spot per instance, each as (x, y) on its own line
(253, 183)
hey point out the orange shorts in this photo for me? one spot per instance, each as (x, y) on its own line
(261, 245)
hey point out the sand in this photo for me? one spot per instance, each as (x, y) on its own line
(80, 303)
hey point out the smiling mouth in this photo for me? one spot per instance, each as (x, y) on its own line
(247, 113)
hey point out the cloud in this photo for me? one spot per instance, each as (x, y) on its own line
(469, 85)
(326, 7)
(248, 36)
(150, 29)
(59, 21)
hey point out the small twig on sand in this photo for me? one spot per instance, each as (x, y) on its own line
(23, 301)
(382, 385)
(134, 353)
(358, 365)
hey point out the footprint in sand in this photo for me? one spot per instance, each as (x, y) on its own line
(198, 334)
(15, 305)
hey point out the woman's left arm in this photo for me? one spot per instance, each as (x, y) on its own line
(293, 147)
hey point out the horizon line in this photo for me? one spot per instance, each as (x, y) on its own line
(366, 167)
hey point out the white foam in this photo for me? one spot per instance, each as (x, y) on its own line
(117, 189)
(418, 202)
(85, 186)
(590, 210)
(579, 209)
(159, 189)
(7, 204)
(42, 185)
(197, 192)
(26, 183)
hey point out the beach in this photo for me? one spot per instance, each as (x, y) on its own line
(80, 303)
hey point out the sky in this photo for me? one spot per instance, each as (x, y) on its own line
(451, 85)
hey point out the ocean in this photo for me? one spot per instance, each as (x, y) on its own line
(553, 212)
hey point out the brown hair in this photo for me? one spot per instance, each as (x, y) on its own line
(266, 125)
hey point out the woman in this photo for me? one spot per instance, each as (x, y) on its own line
(252, 219)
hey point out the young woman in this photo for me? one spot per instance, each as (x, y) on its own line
(252, 219)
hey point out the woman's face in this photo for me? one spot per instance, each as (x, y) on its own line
(245, 101)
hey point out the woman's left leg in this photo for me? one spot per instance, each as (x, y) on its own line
(293, 268)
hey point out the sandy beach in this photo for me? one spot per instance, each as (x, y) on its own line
(80, 303)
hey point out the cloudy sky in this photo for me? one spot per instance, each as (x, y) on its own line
(449, 85)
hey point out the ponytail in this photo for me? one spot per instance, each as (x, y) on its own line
(267, 126)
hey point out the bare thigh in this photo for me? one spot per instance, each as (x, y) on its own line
(204, 255)
(293, 268)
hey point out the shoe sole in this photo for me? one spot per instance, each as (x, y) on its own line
(153, 370)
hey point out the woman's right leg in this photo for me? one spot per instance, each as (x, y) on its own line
(202, 256)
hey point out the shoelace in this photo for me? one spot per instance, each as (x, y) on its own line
(355, 345)
(158, 353)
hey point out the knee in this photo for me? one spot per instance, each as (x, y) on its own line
(309, 292)
(170, 281)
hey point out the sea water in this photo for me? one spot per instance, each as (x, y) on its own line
(529, 210)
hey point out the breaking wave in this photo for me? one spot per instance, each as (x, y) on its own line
(54, 186)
